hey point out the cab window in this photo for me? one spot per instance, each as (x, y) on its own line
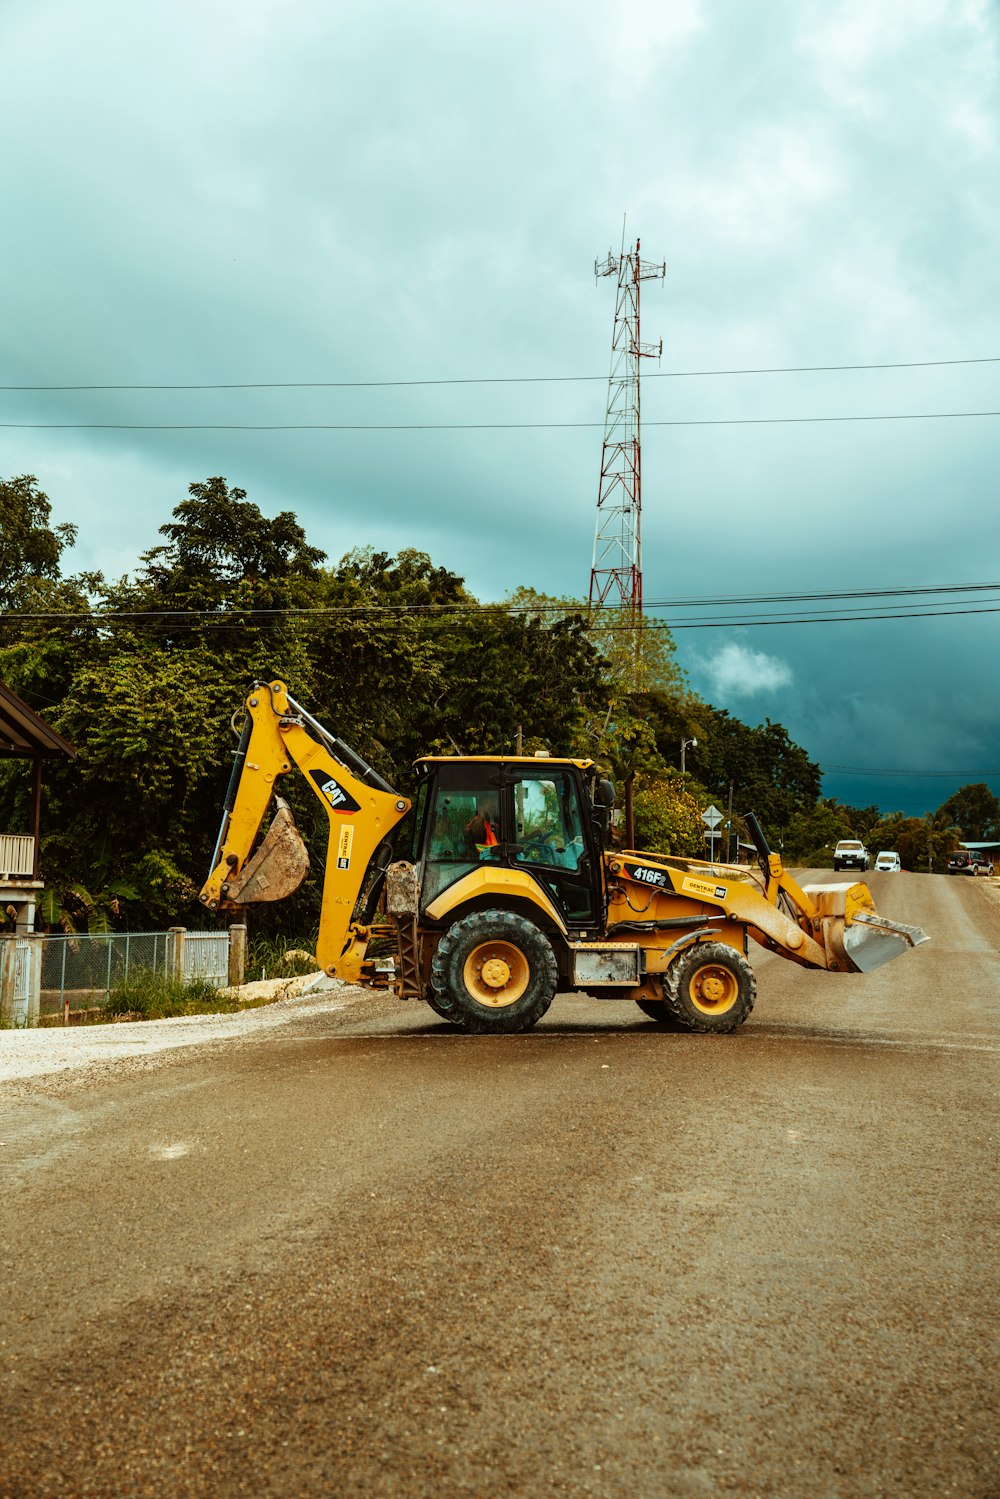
(547, 822)
(463, 825)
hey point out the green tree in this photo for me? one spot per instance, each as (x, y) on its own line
(907, 836)
(30, 546)
(391, 652)
(860, 821)
(940, 839)
(667, 815)
(219, 541)
(975, 811)
(813, 833)
(771, 775)
(637, 659)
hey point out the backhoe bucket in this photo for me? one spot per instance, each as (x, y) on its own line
(278, 867)
(856, 938)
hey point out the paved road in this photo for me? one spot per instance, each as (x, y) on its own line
(366, 1255)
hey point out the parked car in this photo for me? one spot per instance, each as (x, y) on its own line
(888, 862)
(969, 861)
(851, 853)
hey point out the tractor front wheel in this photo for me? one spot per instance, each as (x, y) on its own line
(494, 972)
(710, 987)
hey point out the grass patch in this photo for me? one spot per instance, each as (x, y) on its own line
(154, 996)
(279, 958)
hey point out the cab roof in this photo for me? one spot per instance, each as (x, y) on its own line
(500, 760)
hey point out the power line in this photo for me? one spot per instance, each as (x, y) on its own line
(789, 369)
(530, 606)
(732, 421)
(756, 622)
(853, 770)
(861, 593)
(223, 619)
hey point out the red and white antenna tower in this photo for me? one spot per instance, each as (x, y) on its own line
(617, 570)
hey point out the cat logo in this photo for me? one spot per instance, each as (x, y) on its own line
(332, 791)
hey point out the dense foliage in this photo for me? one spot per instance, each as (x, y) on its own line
(143, 674)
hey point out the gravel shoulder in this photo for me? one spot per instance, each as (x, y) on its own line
(39, 1052)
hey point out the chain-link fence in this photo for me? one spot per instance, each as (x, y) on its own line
(50, 972)
(87, 967)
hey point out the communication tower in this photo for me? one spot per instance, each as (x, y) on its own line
(616, 575)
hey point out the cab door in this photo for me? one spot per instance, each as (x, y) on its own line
(461, 827)
(551, 837)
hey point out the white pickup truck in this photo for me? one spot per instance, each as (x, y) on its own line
(851, 853)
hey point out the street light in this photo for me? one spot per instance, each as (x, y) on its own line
(687, 744)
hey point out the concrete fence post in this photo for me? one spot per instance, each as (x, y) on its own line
(8, 960)
(175, 952)
(33, 957)
(237, 954)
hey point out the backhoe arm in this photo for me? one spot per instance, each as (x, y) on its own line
(361, 807)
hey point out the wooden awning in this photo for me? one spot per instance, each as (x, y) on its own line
(25, 736)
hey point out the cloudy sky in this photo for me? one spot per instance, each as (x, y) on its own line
(247, 191)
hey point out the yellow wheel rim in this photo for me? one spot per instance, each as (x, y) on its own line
(713, 989)
(496, 974)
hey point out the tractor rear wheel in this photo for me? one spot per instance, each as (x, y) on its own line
(494, 972)
(710, 987)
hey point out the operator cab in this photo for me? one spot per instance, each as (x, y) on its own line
(546, 817)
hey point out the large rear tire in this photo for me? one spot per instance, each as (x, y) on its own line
(710, 987)
(658, 1010)
(494, 972)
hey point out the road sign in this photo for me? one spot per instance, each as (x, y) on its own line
(711, 817)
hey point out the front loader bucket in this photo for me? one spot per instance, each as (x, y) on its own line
(278, 867)
(856, 938)
(870, 941)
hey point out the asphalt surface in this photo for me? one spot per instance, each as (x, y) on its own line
(362, 1254)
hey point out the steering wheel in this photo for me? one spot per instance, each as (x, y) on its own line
(537, 851)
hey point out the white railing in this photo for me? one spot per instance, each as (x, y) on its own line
(17, 856)
(206, 957)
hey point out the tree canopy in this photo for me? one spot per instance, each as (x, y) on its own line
(30, 547)
(143, 675)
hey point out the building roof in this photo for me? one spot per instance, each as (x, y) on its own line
(23, 735)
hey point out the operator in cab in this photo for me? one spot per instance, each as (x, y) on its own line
(481, 830)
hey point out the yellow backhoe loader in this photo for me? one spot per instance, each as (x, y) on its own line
(510, 892)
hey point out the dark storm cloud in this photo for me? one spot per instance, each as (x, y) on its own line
(255, 192)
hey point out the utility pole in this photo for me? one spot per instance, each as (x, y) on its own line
(616, 574)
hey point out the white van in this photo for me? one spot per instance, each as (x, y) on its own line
(888, 863)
